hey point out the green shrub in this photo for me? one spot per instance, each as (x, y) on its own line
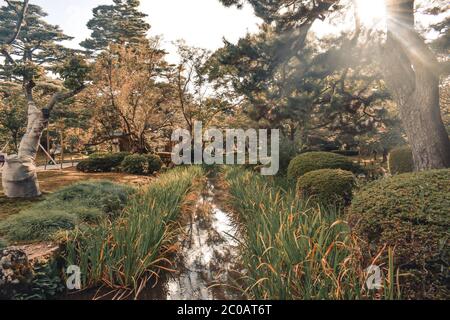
(411, 212)
(313, 161)
(328, 186)
(401, 161)
(99, 162)
(141, 164)
(89, 202)
(154, 163)
(135, 164)
(30, 226)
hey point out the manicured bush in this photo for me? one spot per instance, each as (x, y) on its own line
(99, 162)
(154, 163)
(86, 202)
(327, 186)
(313, 161)
(135, 164)
(401, 161)
(411, 213)
(141, 164)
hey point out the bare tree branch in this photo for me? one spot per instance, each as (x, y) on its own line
(60, 96)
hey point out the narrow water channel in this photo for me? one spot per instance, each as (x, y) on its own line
(206, 264)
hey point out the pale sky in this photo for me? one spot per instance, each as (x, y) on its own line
(202, 23)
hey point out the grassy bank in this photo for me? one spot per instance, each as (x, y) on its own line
(126, 254)
(82, 203)
(53, 180)
(293, 250)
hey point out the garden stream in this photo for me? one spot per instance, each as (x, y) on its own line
(206, 268)
(206, 260)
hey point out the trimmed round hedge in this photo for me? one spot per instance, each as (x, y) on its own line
(313, 161)
(135, 164)
(102, 162)
(401, 161)
(154, 163)
(328, 186)
(410, 212)
(141, 164)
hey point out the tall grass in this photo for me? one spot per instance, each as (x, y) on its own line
(292, 249)
(126, 253)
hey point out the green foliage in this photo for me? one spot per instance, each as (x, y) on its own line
(124, 254)
(141, 164)
(37, 43)
(3, 243)
(292, 249)
(401, 161)
(74, 71)
(327, 186)
(313, 161)
(13, 117)
(101, 162)
(87, 202)
(46, 284)
(135, 164)
(154, 163)
(288, 151)
(106, 196)
(121, 22)
(411, 213)
(29, 225)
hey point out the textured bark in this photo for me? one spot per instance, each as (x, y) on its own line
(19, 176)
(412, 74)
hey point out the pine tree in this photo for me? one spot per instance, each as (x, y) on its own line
(411, 70)
(120, 23)
(31, 49)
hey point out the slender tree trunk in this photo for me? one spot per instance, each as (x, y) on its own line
(412, 74)
(19, 176)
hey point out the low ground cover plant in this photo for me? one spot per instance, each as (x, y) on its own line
(86, 202)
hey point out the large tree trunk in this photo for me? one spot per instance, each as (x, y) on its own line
(19, 176)
(412, 74)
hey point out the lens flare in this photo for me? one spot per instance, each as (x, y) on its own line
(371, 12)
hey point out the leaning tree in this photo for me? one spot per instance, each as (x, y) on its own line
(412, 71)
(32, 55)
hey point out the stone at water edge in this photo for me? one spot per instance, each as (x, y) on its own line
(16, 272)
